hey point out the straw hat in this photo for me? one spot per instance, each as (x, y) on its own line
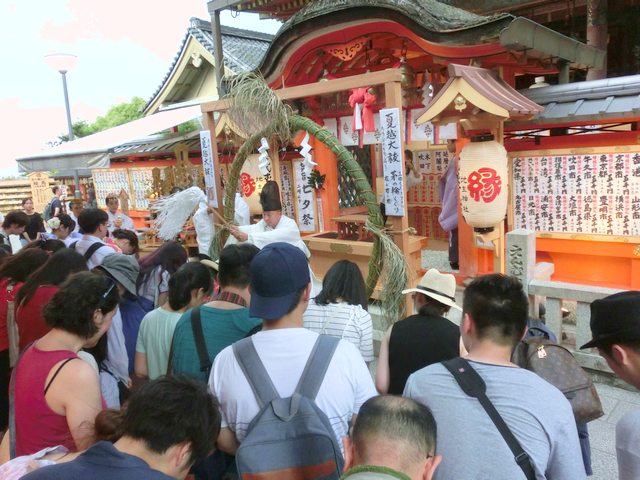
(439, 286)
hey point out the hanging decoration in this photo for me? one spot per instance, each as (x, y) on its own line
(264, 162)
(483, 180)
(362, 100)
(305, 152)
(317, 179)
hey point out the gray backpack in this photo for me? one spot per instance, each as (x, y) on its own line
(289, 437)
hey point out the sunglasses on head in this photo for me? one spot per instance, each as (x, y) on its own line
(111, 284)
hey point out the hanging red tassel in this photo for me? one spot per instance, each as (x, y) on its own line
(361, 101)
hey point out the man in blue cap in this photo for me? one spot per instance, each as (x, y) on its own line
(615, 327)
(280, 288)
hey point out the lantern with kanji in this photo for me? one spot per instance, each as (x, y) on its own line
(483, 180)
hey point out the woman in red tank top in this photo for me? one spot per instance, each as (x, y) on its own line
(38, 291)
(14, 271)
(57, 395)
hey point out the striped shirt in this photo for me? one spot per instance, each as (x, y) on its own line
(349, 322)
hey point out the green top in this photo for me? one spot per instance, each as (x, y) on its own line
(220, 327)
(154, 339)
(373, 472)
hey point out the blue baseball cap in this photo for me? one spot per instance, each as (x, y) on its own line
(278, 273)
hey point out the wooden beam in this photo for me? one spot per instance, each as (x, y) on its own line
(319, 88)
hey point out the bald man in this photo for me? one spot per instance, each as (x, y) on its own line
(392, 438)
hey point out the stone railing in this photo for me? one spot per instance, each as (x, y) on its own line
(583, 295)
(521, 251)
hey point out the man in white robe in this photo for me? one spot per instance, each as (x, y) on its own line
(274, 226)
(117, 220)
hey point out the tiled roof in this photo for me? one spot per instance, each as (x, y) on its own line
(243, 49)
(594, 100)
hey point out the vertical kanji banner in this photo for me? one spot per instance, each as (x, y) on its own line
(304, 196)
(207, 166)
(392, 162)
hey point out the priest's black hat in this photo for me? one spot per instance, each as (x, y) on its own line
(270, 197)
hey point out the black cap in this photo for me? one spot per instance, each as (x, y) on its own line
(615, 319)
(270, 197)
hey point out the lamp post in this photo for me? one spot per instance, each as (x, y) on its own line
(63, 62)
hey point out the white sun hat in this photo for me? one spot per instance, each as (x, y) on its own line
(439, 286)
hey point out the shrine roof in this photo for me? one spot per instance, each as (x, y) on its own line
(594, 100)
(429, 14)
(484, 89)
(243, 49)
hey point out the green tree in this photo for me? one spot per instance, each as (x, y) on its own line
(116, 115)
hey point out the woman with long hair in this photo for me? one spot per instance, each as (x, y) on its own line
(188, 288)
(155, 270)
(38, 291)
(57, 395)
(13, 274)
(340, 309)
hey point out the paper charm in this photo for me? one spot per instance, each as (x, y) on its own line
(264, 162)
(305, 151)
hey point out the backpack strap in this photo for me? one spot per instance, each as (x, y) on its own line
(317, 365)
(473, 385)
(92, 249)
(198, 335)
(254, 371)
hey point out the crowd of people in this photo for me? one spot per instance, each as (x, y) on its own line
(115, 366)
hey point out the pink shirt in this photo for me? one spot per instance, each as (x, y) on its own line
(37, 426)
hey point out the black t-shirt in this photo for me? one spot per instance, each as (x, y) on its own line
(35, 225)
(418, 341)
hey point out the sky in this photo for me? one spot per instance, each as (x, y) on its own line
(124, 49)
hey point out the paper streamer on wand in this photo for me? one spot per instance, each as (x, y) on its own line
(264, 162)
(305, 152)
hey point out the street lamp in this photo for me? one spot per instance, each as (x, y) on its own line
(63, 62)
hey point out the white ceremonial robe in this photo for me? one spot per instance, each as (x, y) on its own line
(127, 223)
(261, 235)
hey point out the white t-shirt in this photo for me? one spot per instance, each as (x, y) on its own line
(155, 281)
(349, 322)
(284, 353)
(98, 256)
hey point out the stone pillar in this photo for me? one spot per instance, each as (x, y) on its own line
(521, 259)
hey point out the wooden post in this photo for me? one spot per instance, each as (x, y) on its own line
(393, 99)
